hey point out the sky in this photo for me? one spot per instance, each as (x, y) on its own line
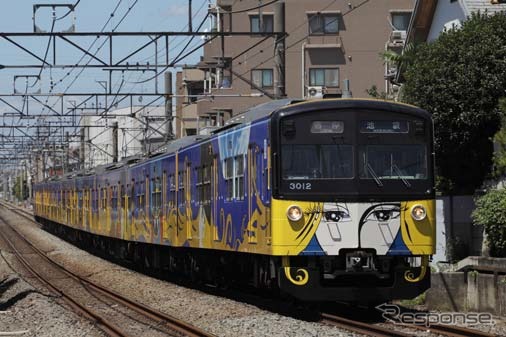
(91, 16)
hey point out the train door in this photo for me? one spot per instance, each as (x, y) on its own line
(156, 203)
(214, 198)
(251, 160)
(181, 204)
(107, 206)
(187, 204)
(164, 213)
(80, 208)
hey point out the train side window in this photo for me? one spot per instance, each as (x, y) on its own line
(198, 183)
(140, 195)
(114, 198)
(172, 190)
(156, 193)
(206, 182)
(181, 177)
(164, 189)
(104, 198)
(239, 177)
(122, 196)
(229, 178)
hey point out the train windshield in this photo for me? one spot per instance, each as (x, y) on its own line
(392, 162)
(317, 161)
(353, 155)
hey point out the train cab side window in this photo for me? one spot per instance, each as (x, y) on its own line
(234, 177)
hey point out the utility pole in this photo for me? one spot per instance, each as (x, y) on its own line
(190, 26)
(67, 155)
(168, 107)
(82, 149)
(279, 26)
(115, 142)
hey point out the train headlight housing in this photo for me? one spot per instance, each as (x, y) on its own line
(294, 213)
(418, 212)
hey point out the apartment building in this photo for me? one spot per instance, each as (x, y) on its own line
(326, 43)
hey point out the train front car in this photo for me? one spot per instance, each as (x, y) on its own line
(353, 209)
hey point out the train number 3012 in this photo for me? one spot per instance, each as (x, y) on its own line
(300, 186)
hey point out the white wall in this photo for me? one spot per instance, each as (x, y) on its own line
(131, 132)
(445, 13)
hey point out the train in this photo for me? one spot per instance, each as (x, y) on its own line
(320, 200)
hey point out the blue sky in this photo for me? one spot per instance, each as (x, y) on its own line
(91, 15)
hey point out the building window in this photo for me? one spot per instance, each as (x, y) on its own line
(400, 20)
(267, 23)
(262, 78)
(323, 24)
(325, 77)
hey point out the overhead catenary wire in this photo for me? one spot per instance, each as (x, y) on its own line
(69, 11)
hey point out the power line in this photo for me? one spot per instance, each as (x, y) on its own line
(69, 11)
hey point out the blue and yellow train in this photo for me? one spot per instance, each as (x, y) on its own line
(325, 200)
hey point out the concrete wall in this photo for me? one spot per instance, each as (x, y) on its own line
(454, 224)
(471, 291)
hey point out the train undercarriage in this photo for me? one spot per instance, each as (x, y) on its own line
(355, 276)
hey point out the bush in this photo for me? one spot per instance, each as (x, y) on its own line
(491, 213)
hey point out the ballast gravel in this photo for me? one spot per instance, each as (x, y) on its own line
(26, 312)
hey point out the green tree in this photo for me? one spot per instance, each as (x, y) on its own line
(500, 142)
(459, 78)
(489, 213)
(20, 189)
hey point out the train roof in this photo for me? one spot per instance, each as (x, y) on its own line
(258, 112)
(288, 105)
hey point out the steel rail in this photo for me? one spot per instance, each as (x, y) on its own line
(171, 322)
(361, 327)
(105, 326)
(447, 330)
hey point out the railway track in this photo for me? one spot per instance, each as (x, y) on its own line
(392, 329)
(360, 327)
(107, 308)
(338, 321)
(448, 330)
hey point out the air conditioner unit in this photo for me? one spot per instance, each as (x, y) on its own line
(315, 92)
(398, 36)
(454, 24)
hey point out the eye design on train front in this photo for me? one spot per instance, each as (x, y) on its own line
(336, 213)
(383, 213)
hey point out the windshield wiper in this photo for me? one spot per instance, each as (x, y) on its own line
(399, 174)
(374, 175)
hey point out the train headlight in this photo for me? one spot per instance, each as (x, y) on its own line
(418, 212)
(294, 213)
